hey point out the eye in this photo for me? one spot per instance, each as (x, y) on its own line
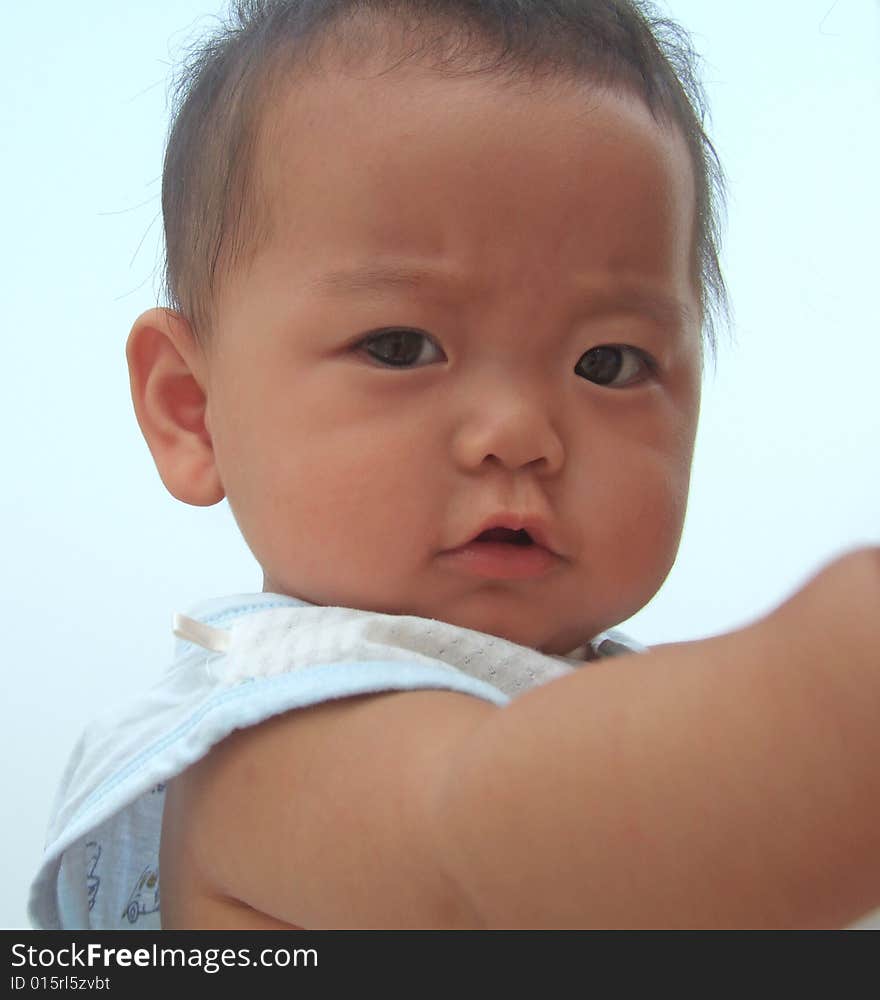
(401, 348)
(615, 366)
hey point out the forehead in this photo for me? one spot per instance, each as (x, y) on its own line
(485, 176)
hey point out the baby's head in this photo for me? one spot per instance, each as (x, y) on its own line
(437, 269)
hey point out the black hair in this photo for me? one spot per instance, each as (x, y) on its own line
(211, 203)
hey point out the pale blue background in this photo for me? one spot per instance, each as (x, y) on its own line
(96, 555)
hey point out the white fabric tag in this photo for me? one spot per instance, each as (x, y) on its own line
(216, 640)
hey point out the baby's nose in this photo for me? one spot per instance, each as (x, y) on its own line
(515, 431)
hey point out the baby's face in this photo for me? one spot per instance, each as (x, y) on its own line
(476, 309)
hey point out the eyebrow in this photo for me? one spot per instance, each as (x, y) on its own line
(668, 310)
(372, 277)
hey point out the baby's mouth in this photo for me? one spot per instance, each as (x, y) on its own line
(505, 535)
(500, 553)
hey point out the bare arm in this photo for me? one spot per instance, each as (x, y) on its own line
(727, 782)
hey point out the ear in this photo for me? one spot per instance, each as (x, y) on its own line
(167, 371)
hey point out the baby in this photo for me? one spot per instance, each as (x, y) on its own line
(440, 276)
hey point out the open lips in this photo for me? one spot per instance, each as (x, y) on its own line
(504, 553)
(506, 535)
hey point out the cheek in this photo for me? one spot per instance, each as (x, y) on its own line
(370, 510)
(649, 504)
(657, 520)
(634, 498)
(644, 531)
(660, 478)
(352, 492)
